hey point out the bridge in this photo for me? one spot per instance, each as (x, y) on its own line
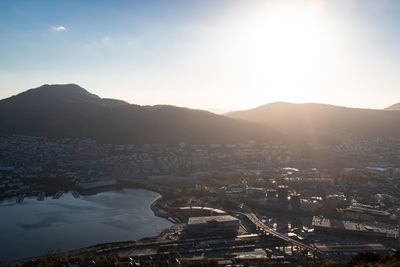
(259, 224)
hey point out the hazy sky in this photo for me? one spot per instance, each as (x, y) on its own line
(225, 54)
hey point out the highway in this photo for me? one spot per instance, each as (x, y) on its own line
(214, 244)
(257, 222)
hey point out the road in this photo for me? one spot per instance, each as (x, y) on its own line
(257, 222)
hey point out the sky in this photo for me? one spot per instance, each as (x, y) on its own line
(226, 54)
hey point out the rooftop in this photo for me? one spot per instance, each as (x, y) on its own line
(352, 248)
(351, 226)
(218, 211)
(207, 219)
(367, 211)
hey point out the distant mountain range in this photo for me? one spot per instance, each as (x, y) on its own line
(394, 107)
(218, 111)
(70, 111)
(310, 120)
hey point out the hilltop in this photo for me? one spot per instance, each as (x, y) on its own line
(309, 120)
(69, 110)
(394, 107)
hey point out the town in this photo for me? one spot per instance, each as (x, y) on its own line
(232, 202)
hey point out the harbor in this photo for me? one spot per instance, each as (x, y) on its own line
(40, 196)
(58, 194)
(79, 222)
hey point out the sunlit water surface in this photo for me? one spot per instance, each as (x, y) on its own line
(56, 225)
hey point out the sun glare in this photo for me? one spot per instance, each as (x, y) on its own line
(286, 47)
(291, 34)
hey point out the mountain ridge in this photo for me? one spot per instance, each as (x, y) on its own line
(70, 92)
(394, 107)
(310, 119)
(68, 110)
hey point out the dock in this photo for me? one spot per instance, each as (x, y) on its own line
(75, 194)
(41, 196)
(58, 194)
(20, 199)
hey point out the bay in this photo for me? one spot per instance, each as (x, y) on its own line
(35, 227)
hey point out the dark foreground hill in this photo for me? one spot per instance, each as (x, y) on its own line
(310, 120)
(70, 111)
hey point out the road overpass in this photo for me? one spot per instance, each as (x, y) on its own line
(259, 224)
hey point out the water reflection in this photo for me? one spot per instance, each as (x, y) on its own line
(37, 227)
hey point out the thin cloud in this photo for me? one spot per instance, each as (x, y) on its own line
(58, 28)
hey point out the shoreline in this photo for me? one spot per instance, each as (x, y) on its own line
(113, 245)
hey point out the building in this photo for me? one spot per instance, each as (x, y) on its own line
(242, 187)
(213, 225)
(254, 192)
(347, 227)
(319, 182)
(85, 185)
(233, 194)
(295, 201)
(310, 205)
(200, 211)
(271, 193)
(334, 201)
(352, 249)
(365, 214)
(283, 192)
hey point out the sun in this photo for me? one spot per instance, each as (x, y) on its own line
(292, 33)
(286, 47)
(289, 37)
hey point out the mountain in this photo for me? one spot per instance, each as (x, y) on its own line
(67, 93)
(311, 120)
(68, 110)
(394, 107)
(218, 111)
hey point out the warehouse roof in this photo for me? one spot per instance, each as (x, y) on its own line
(207, 219)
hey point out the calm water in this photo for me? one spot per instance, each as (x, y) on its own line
(55, 225)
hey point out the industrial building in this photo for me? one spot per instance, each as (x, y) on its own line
(351, 249)
(361, 213)
(200, 211)
(347, 227)
(213, 225)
